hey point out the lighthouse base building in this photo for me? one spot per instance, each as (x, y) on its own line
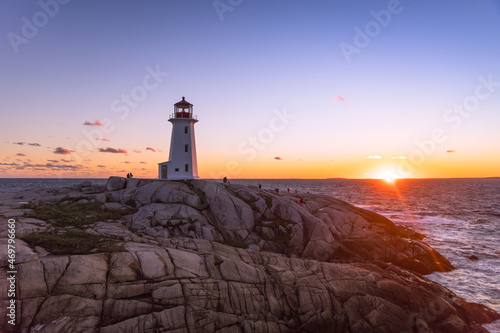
(182, 162)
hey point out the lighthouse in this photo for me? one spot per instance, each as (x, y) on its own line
(181, 162)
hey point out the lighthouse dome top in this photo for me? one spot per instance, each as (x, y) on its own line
(183, 103)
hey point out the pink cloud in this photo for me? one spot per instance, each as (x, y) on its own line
(112, 150)
(152, 149)
(62, 151)
(20, 154)
(137, 151)
(95, 123)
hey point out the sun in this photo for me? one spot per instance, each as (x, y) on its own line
(388, 176)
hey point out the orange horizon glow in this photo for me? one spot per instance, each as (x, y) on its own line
(37, 162)
(234, 169)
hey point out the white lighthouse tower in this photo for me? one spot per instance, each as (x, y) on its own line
(181, 162)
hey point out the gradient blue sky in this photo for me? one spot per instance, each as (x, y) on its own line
(262, 57)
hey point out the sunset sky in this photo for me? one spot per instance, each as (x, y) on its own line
(281, 89)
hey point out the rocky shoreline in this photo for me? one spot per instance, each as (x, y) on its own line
(196, 256)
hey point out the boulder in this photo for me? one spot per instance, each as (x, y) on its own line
(132, 182)
(116, 183)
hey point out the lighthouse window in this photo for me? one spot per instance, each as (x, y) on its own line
(176, 169)
(186, 167)
(185, 130)
(186, 148)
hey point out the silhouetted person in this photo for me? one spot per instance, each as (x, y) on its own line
(260, 185)
(224, 180)
(128, 175)
(131, 175)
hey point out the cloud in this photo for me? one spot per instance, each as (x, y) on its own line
(278, 158)
(451, 151)
(53, 161)
(142, 162)
(127, 162)
(398, 158)
(112, 150)
(376, 157)
(49, 166)
(152, 149)
(20, 154)
(137, 151)
(65, 161)
(10, 164)
(62, 151)
(95, 123)
(104, 140)
(29, 144)
(339, 98)
(101, 166)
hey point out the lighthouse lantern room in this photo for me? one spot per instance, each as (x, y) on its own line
(181, 162)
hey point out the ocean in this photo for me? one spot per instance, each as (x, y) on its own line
(460, 217)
